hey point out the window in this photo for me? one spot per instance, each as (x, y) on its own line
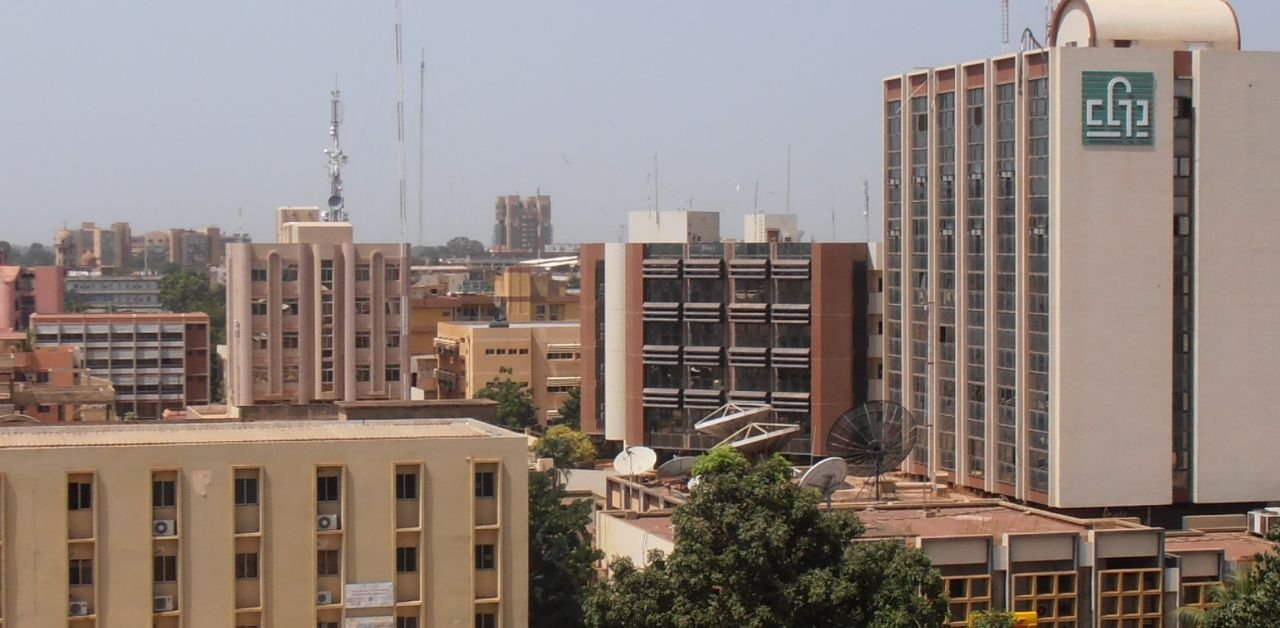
(326, 624)
(393, 306)
(289, 340)
(327, 563)
(261, 374)
(289, 373)
(164, 569)
(486, 486)
(79, 496)
(362, 272)
(290, 307)
(363, 339)
(406, 486)
(258, 308)
(406, 560)
(164, 494)
(326, 375)
(561, 388)
(484, 556)
(258, 274)
(560, 355)
(406, 622)
(488, 351)
(246, 565)
(327, 488)
(81, 571)
(246, 491)
(289, 272)
(363, 306)
(486, 620)
(393, 272)
(539, 312)
(363, 373)
(393, 372)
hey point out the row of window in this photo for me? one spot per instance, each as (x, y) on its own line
(363, 273)
(363, 340)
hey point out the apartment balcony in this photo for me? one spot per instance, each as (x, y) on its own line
(875, 302)
(875, 346)
(447, 377)
(12, 361)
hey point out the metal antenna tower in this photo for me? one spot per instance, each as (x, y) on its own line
(866, 211)
(400, 121)
(1004, 28)
(337, 158)
(422, 113)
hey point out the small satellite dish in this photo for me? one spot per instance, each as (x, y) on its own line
(731, 417)
(826, 476)
(633, 460)
(873, 438)
(677, 467)
(335, 202)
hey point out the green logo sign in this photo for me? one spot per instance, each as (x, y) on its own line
(1119, 108)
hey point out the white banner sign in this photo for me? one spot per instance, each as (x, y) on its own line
(370, 595)
(369, 622)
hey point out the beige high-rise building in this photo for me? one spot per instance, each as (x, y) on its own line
(93, 246)
(547, 356)
(317, 317)
(522, 226)
(1080, 256)
(398, 523)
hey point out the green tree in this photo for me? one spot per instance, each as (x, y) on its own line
(560, 555)
(571, 410)
(515, 403)
(38, 255)
(567, 446)
(753, 549)
(992, 619)
(721, 461)
(1249, 600)
(463, 247)
(191, 291)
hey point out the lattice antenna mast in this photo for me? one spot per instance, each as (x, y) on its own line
(337, 158)
(404, 218)
(1004, 25)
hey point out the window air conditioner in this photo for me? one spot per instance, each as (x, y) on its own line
(79, 609)
(164, 527)
(327, 522)
(162, 603)
(324, 598)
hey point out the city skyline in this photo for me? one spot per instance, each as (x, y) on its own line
(159, 114)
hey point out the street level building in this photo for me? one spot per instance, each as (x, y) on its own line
(289, 523)
(1080, 293)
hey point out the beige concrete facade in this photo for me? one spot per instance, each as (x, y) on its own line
(1063, 311)
(317, 317)
(240, 532)
(547, 356)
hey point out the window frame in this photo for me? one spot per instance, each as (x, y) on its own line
(486, 484)
(486, 557)
(159, 488)
(328, 563)
(247, 565)
(407, 559)
(402, 481)
(241, 492)
(328, 489)
(164, 569)
(79, 495)
(80, 572)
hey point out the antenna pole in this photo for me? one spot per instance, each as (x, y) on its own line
(400, 120)
(788, 178)
(1004, 25)
(422, 115)
(755, 205)
(337, 158)
(656, 207)
(866, 211)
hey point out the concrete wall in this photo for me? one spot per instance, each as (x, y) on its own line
(673, 226)
(1111, 255)
(1237, 302)
(619, 537)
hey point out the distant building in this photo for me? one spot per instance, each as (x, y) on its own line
(673, 227)
(51, 384)
(156, 362)
(91, 246)
(546, 356)
(522, 226)
(276, 523)
(771, 228)
(317, 317)
(1080, 261)
(26, 290)
(533, 294)
(94, 291)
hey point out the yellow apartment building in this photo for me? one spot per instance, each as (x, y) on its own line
(381, 524)
(547, 356)
(534, 294)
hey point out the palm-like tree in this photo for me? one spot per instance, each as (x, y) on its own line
(1234, 588)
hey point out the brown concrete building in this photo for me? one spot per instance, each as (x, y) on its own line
(292, 523)
(317, 317)
(51, 384)
(522, 226)
(27, 290)
(545, 356)
(91, 246)
(1078, 275)
(155, 361)
(526, 294)
(672, 331)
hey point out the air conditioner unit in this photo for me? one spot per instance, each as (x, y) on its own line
(1261, 522)
(164, 527)
(324, 598)
(79, 609)
(162, 603)
(327, 522)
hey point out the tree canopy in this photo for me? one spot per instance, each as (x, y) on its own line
(191, 291)
(560, 555)
(753, 549)
(571, 410)
(515, 403)
(35, 254)
(567, 446)
(992, 619)
(1250, 600)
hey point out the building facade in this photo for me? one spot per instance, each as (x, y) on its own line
(113, 293)
(155, 362)
(51, 384)
(672, 331)
(27, 290)
(317, 317)
(1076, 272)
(92, 246)
(522, 226)
(546, 356)
(402, 523)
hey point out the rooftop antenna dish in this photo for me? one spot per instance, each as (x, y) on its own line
(633, 460)
(732, 417)
(677, 467)
(761, 439)
(873, 438)
(827, 476)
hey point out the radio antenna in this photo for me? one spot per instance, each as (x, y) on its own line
(337, 158)
(400, 120)
(422, 113)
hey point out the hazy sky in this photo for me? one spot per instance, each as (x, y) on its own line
(177, 114)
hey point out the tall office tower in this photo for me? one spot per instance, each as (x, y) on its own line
(316, 317)
(1080, 255)
(671, 331)
(269, 523)
(522, 226)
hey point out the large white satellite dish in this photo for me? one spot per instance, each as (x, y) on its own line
(677, 467)
(827, 476)
(633, 460)
(731, 417)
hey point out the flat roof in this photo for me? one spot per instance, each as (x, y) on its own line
(966, 520)
(160, 433)
(1235, 546)
(517, 325)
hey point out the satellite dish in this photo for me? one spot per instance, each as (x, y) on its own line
(826, 476)
(731, 417)
(873, 438)
(761, 439)
(677, 467)
(633, 460)
(335, 202)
